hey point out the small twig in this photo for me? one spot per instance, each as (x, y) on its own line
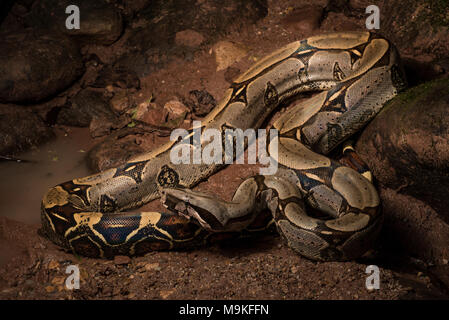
(8, 158)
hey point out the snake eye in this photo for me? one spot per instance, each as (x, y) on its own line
(271, 95)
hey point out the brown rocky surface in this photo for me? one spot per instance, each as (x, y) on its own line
(261, 268)
(407, 148)
(101, 23)
(36, 66)
(80, 109)
(407, 145)
(153, 59)
(21, 129)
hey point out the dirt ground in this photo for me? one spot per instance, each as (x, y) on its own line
(263, 267)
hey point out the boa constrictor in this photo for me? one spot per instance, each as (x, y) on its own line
(357, 73)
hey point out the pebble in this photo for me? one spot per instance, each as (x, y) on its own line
(166, 293)
(131, 295)
(58, 280)
(175, 109)
(49, 289)
(360, 4)
(305, 19)
(189, 38)
(53, 264)
(39, 246)
(151, 113)
(120, 260)
(120, 101)
(152, 266)
(227, 53)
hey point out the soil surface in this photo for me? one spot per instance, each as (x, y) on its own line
(263, 267)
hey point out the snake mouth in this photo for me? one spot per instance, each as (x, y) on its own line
(172, 203)
(183, 208)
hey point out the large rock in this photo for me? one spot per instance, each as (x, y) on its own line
(158, 29)
(407, 148)
(34, 67)
(21, 129)
(417, 27)
(116, 149)
(412, 226)
(407, 145)
(117, 77)
(83, 107)
(304, 19)
(100, 22)
(420, 30)
(5, 6)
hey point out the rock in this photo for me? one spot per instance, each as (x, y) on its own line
(406, 147)
(6, 7)
(59, 280)
(150, 113)
(118, 77)
(412, 226)
(142, 63)
(120, 260)
(21, 129)
(422, 68)
(83, 107)
(189, 38)
(115, 150)
(153, 41)
(131, 295)
(26, 3)
(208, 21)
(166, 293)
(201, 102)
(109, 88)
(19, 10)
(417, 28)
(176, 109)
(360, 4)
(53, 265)
(231, 73)
(49, 289)
(101, 126)
(339, 21)
(227, 53)
(35, 67)
(152, 267)
(100, 23)
(304, 19)
(120, 101)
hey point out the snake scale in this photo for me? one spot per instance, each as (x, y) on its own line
(356, 73)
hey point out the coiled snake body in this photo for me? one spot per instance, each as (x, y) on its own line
(358, 72)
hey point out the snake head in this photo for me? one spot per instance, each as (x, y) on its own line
(208, 211)
(212, 213)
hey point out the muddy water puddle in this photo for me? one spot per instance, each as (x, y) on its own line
(24, 183)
